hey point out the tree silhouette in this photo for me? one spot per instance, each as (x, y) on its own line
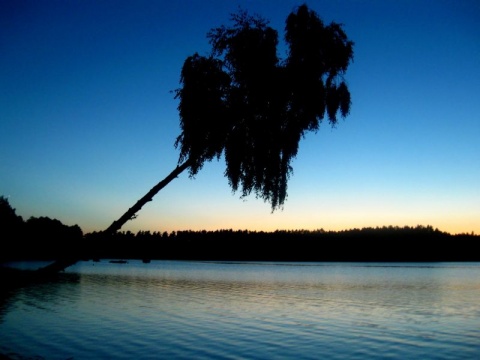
(245, 103)
(242, 101)
(9, 220)
(11, 227)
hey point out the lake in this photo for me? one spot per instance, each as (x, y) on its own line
(227, 310)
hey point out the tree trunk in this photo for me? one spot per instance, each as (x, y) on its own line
(130, 214)
(60, 265)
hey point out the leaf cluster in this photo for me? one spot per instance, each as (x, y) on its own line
(244, 102)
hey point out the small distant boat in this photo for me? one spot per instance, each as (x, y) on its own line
(146, 261)
(118, 261)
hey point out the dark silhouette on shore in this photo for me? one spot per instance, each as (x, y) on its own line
(382, 244)
(47, 239)
(37, 237)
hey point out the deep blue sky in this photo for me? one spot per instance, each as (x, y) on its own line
(88, 120)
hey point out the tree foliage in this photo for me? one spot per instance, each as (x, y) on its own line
(37, 238)
(244, 102)
(9, 220)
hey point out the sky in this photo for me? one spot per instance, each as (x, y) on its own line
(88, 119)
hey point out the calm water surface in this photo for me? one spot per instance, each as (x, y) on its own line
(205, 310)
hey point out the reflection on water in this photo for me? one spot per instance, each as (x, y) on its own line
(186, 310)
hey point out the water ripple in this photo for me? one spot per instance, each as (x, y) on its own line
(183, 310)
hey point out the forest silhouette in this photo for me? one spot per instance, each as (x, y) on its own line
(48, 239)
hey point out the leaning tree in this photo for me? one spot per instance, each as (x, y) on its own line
(246, 104)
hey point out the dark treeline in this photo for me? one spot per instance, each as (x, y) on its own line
(36, 238)
(420, 243)
(48, 239)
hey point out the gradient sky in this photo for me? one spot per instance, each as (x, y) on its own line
(88, 121)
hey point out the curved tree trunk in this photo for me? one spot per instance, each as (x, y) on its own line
(62, 264)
